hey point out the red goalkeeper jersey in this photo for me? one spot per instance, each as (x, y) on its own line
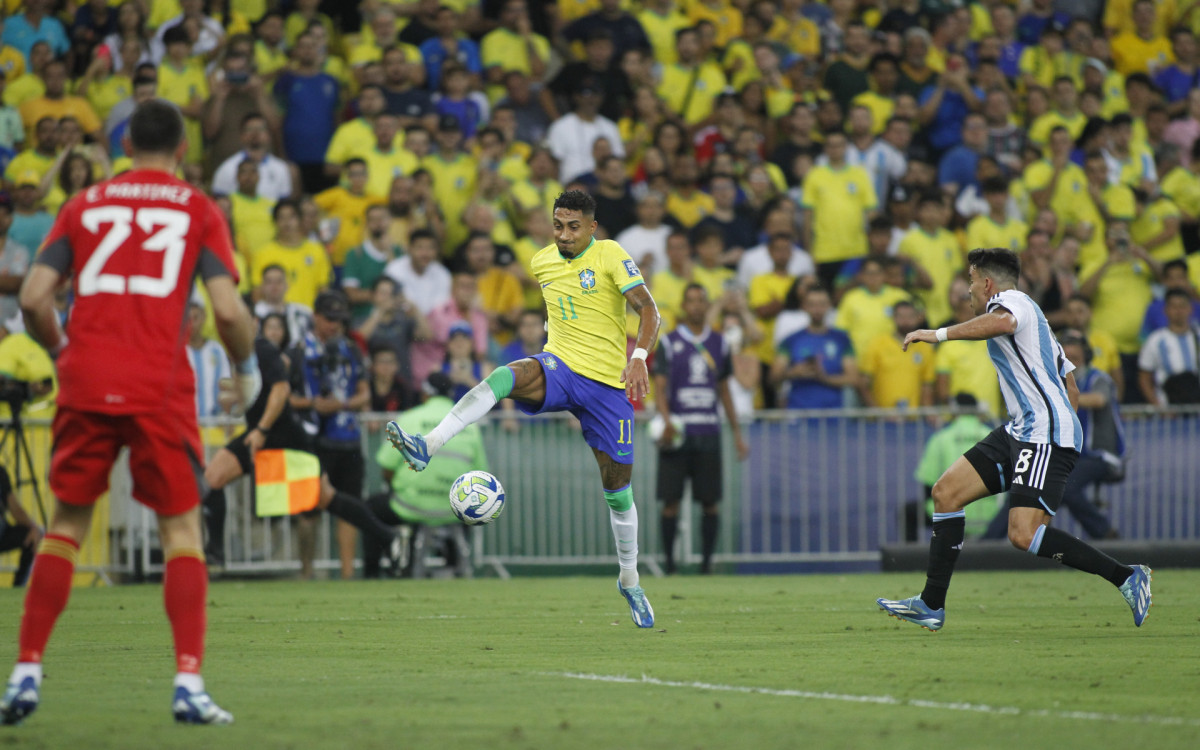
(133, 246)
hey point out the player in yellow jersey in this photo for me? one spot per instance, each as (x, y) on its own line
(585, 285)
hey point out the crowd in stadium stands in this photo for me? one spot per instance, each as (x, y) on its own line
(820, 168)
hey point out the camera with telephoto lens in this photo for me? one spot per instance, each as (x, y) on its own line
(330, 366)
(16, 392)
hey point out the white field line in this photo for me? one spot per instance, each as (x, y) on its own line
(886, 700)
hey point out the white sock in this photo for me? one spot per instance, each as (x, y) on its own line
(625, 532)
(190, 680)
(470, 408)
(25, 669)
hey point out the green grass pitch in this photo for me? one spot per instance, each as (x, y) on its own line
(1027, 660)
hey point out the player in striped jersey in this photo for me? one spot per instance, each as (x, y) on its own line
(1030, 456)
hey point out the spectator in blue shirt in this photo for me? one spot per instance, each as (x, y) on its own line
(1174, 276)
(625, 30)
(1181, 76)
(817, 361)
(448, 45)
(309, 99)
(957, 169)
(531, 337)
(1040, 16)
(36, 24)
(945, 104)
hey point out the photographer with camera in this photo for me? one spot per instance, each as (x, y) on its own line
(27, 377)
(329, 386)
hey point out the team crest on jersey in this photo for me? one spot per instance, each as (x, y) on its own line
(550, 362)
(631, 268)
(587, 278)
(852, 188)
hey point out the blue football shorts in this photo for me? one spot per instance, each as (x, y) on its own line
(604, 412)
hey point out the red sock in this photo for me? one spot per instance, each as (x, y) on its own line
(185, 593)
(49, 588)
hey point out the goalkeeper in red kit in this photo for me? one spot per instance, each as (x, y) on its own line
(132, 248)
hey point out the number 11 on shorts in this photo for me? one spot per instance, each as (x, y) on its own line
(626, 432)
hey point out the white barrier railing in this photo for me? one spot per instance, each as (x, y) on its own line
(817, 487)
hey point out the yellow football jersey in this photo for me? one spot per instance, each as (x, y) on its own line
(983, 231)
(585, 304)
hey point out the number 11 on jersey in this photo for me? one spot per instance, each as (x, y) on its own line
(563, 307)
(626, 432)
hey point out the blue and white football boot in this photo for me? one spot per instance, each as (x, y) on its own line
(197, 708)
(19, 701)
(639, 605)
(412, 447)
(915, 611)
(1136, 591)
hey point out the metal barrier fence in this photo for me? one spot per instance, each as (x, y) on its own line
(817, 487)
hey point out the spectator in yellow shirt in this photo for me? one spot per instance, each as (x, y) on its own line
(305, 263)
(690, 86)
(838, 201)
(995, 228)
(1119, 16)
(57, 104)
(892, 377)
(454, 173)
(865, 312)
(253, 224)
(270, 50)
(668, 284)
(965, 366)
(356, 137)
(513, 46)
(686, 202)
(348, 203)
(38, 160)
(725, 18)
(768, 293)
(1065, 112)
(795, 30)
(28, 85)
(931, 246)
(181, 81)
(1105, 356)
(499, 290)
(1142, 49)
(662, 20)
(1120, 287)
(386, 161)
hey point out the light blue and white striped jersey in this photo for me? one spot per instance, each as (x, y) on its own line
(1031, 366)
(1166, 353)
(210, 364)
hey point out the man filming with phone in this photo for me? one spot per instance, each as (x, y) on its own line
(237, 91)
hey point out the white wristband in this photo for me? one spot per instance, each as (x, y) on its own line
(638, 353)
(941, 334)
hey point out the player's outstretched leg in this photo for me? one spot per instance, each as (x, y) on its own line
(418, 449)
(1133, 581)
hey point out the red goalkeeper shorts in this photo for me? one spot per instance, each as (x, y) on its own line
(165, 457)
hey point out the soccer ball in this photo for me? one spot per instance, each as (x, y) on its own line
(477, 498)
